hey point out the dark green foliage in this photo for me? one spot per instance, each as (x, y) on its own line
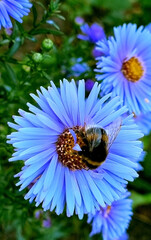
(20, 75)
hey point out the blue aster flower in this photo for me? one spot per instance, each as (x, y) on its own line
(79, 68)
(49, 139)
(148, 27)
(112, 221)
(143, 120)
(15, 9)
(140, 159)
(93, 33)
(125, 67)
(123, 237)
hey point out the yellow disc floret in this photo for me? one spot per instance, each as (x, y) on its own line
(66, 155)
(132, 69)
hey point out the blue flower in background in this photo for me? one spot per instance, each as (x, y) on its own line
(139, 160)
(125, 67)
(112, 221)
(49, 139)
(143, 120)
(38, 214)
(123, 237)
(79, 20)
(46, 223)
(93, 33)
(15, 9)
(96, 52)
(79, 68)
(89, 83)
(148, 27)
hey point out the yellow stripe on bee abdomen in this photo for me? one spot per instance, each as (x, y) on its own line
(92, 162)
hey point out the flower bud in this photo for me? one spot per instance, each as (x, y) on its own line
(37, 57)
(47, 44)
(47, 60)
(26, 68)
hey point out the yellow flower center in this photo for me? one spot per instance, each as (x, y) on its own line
(107, 211)
(66, 154)
(132, 69)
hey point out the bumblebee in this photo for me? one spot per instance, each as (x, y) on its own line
(97, 142)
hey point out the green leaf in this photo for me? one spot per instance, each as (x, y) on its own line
(10, 72)
(60, 16)
(141, 183)
(19, 233)
(46, 31)
(46, 76)
(34, 10)
(31, 38)
(54, 5)
(5, 41)
(15, 47)
(15, 30)
(20, 28)
(40, 4)
(139, 199)
(51, 22)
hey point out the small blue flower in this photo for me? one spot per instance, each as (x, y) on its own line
(79, 68)
(79, 20)
(49, 138)
(143, 120)
(89, 83)
(15, 9)
(38, 214)
(125, 67)
(46, 222)
(112, 221)
(96, 52)
(93, 33)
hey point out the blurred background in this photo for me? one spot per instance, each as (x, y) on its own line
(22, 71)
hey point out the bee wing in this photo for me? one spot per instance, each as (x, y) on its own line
(112, 131)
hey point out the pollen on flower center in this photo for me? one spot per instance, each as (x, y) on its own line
(107, 211)
(132, 69)
(66, 154)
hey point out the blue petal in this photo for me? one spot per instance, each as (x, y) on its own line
(50, 172)
(69, 193)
